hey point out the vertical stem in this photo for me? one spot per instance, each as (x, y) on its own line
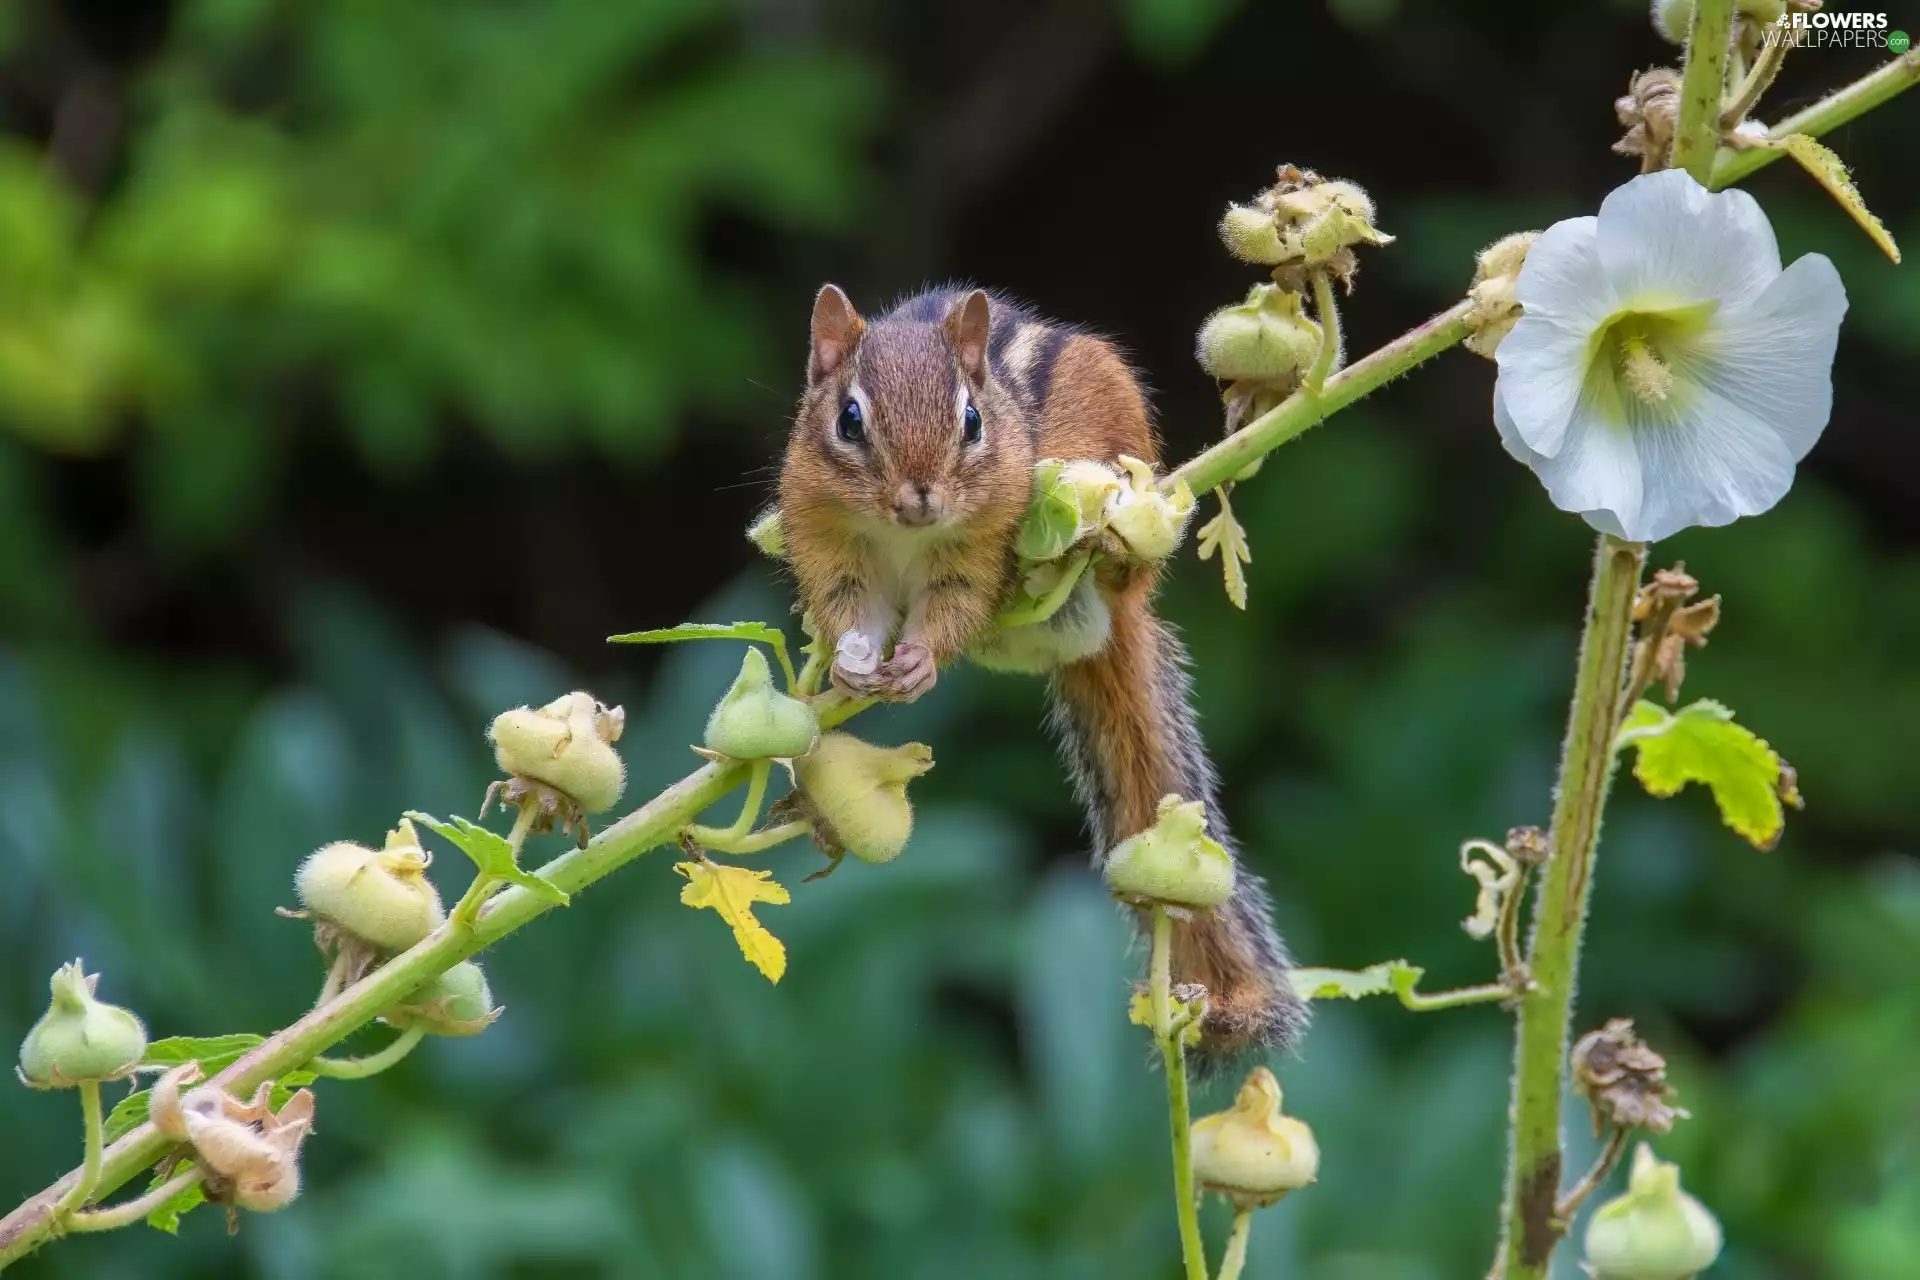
(1327, 312)
(467, 910)
(1586, 768)
(1173, 1056)
(1696, 136)
(96, 1128)
(1236, 1259)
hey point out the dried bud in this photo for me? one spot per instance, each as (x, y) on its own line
(1498, 875)
(380, 896)
(1173, 861)
(250, 1153)
(80, 1038)
(457, 1003)
(755, 721)
(1495, 310)
(567, 745)
(1655, 1231)
(860, 792)
(1266, 338)
(1624, 1080)
(1148, 522)
(1302, 223)
(766, 533)
(1648, 110)
(1528, 845)
(1253, 1154)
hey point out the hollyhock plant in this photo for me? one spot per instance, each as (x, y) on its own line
(1666, 373)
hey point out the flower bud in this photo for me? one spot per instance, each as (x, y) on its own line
(767, 534)
(1265, 338)
(1323, 218)
(568, 745)
(1655, 1231)
(1671, 18)
(457, 1003)
(755, 721)
(1251, 235)
(1252, 1154)
(1495, 310)
(380, 896)
(1173, 861)
(860, 792)
(80, 1038)
(1093, 485)
(1148, 521)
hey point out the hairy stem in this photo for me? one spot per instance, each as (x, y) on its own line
(1755, 81)
(371, 1065)
(467, 909)
(125, 1215)
(95, 1126)
(1696, 136)
(1327, 312)
(1530, 1227)
(760, 841)
(1213, 467)
(721, 837)
(1590, 1181)
(1837, 108)
(1235, 1260)
(1173, 1056)
(1486, 993)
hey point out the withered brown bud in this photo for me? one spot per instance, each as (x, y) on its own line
(1648, 111)
(1624, 1080)
(1528, 845)
(1666, 586)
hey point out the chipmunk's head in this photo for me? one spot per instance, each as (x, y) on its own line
(904, 411)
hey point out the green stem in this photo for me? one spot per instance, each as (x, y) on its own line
(125, 1215)
(1213, 467)
(1838, 108)
(811, 674)
(467, 910)
(1696, 136)
(1051, 603)
(371, 1065)
(1173, 1056)
(336, 977)
(1236, 1258)
(95, 1125)
(1530, 1228)
(1486, 993)
(1327, 312)
(1755, 81)
(760, 841)
(720, 837)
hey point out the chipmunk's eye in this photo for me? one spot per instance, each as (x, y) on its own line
(970, 428)
(853, 423)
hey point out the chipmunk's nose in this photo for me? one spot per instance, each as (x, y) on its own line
(916, 504)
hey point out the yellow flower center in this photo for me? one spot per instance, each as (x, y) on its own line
(1646, 375)
(1641, 355)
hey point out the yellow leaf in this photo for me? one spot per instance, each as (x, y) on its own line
(732, 892)
(1831, 172)
(1224, 534)
(1701, 743)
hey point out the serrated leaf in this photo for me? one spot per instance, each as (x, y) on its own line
(757, 631)
(1830, 171)
(128, 1114)
(491, 854)
(1140, 1014)
(731, 892)
(167, 1217)
(1224, 534)
(1388, 978)
(212, 1052)
(1701, 743)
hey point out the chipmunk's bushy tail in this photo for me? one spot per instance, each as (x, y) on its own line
(1127, 728)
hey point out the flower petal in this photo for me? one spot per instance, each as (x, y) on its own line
(1774, 358)
(1663, 238)
(1564, 278)
(1543, 362)
(1596, 473)
(1706, 466)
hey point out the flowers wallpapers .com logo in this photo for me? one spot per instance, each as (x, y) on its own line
(1819, 28)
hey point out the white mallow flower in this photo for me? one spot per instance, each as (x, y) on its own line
(1666, 372)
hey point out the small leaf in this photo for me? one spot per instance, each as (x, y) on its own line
(1389, 977)
(213, 1053)
(1050, 525)
(1224, 534)
(1701, 743)
(167, 1217)
(759, 631)
(491, 853)
(128, 1114)
(1140, 1014)
(732, 892)
(1830, 171)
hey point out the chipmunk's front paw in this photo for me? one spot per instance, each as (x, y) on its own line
(910, 673)
(857, 667)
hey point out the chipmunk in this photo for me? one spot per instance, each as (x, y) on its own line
(909, 468)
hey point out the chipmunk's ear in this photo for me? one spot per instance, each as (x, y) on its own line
(967, 327)
(836, 328)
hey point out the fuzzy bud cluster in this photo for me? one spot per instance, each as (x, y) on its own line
(1495, 309)
(80, 1038)
(1173, 862)
(1303, 222)
(250, 1153)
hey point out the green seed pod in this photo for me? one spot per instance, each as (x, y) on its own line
(1251, 236)
(457, 1003)
(766, 533)
(80, 1038)
(1266, 338)
(1252, 1154)
(1655, 1231)
(860, 791)
(755, 721)
(568, 745)
(1148, 521)
(381, 896)
(1173, 861)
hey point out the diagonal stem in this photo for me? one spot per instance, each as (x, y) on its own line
(125, 1215)
(1235, 1260)
(371, 1065)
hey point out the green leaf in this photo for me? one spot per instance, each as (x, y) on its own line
(1224, 534)
(128, 1114)
(1052, 519)
(213, 1053)
(167, 1217)
(759, 631)
(1830, 171)
(491, 854)
(1389, 977)
(1701, 743)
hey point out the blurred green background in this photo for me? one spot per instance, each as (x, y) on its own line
(363, 365)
